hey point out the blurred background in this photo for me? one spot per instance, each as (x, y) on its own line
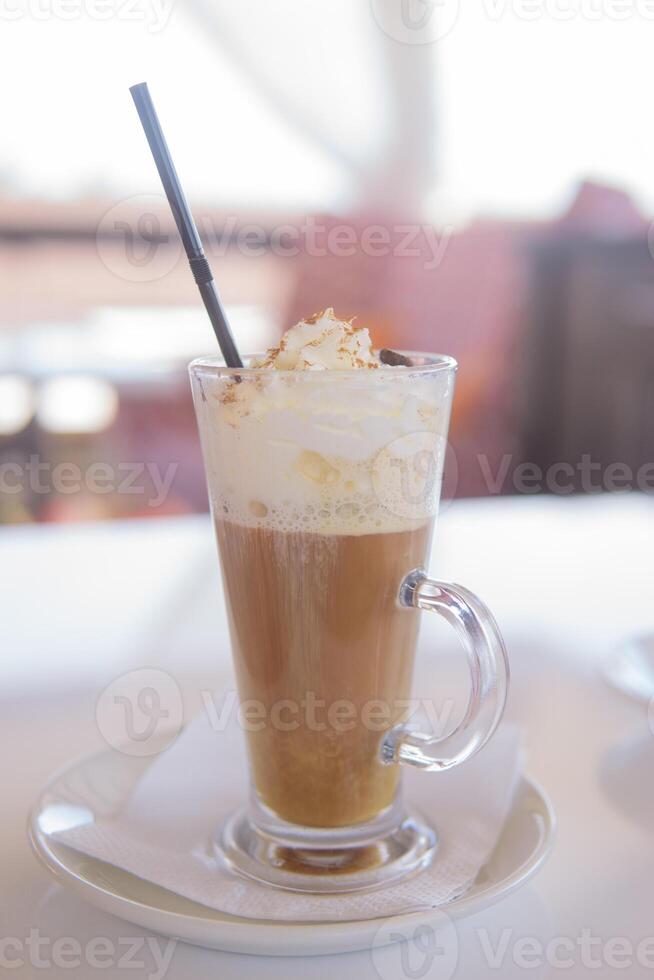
(476, 180)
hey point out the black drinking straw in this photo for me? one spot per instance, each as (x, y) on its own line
(185, 223)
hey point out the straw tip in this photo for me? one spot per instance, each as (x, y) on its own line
(139, 87)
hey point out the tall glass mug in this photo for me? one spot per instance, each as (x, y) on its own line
(324, 489)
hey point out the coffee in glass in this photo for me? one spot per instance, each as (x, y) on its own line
(324, 469)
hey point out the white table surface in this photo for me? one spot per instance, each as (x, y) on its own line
(566, 578)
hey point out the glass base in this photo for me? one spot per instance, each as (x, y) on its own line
(306, 859)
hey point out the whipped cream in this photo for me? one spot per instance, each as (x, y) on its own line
(335, 447)
(323, 342)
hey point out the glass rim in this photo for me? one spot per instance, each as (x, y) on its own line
(429, 364)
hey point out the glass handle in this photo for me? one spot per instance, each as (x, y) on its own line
(489, 674)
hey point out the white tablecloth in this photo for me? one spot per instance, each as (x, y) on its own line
(566, 578)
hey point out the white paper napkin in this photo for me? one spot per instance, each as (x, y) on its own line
(163, 832)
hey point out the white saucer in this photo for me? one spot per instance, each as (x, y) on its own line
(630, 668)
(108, 777)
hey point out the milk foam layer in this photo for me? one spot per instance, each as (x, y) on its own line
(350, 452)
